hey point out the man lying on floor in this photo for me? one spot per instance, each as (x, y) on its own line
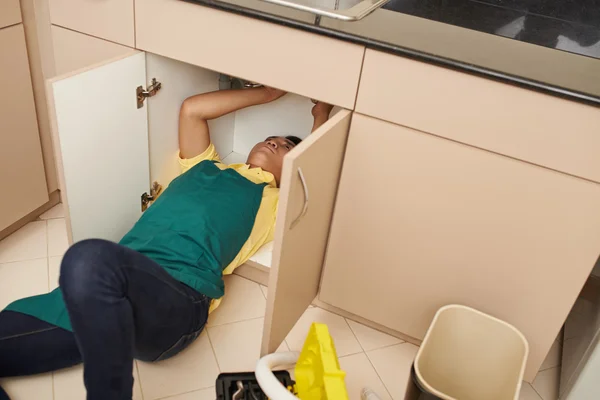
(149, 296)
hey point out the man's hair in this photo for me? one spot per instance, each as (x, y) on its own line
(294, 139)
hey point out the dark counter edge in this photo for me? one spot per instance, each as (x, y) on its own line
(405, 52)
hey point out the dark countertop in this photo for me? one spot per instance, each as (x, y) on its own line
(553, 49)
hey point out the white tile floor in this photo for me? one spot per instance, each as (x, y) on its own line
(29, 264)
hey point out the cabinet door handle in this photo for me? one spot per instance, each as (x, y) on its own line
(305, 206)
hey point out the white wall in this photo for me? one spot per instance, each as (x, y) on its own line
(239, 132)
(180, 80)
(289, 115)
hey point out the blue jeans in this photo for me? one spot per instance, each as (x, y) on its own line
(122, 306)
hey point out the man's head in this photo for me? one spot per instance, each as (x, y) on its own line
(269, 154)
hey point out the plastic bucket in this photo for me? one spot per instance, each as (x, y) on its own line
(469, 355)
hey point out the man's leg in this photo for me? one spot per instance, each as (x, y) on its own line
(122, 304)
(31, 346)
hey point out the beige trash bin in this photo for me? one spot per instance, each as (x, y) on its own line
(469, 355)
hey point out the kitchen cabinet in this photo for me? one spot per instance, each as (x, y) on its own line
(299, 62)
(10, 13)
(36, 22)
(530, 126)
(74, 50)
(454, 188)
(421, 222)
(21, 166)
(111, 20)
(105, 168)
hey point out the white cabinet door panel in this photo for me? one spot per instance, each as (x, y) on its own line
(102, 140)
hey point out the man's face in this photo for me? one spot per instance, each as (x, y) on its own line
(269, 154)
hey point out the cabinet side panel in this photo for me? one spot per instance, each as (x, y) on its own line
(22, 173)
(36, 21)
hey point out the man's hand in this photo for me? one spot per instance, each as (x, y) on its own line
(321, 109)
(320, 113)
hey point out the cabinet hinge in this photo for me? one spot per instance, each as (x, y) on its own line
(147, 199)
(142, 94)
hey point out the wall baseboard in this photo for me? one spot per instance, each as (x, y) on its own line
(32, 216)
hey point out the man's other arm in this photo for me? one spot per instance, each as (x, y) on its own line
(196, 111)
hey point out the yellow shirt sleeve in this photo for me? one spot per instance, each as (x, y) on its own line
(209, 154)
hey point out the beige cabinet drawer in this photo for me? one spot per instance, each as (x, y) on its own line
(448, 223)
(10, 12)
(300, 62)
(74, 50)
(502, 118)
(21, 164)
(107, 19)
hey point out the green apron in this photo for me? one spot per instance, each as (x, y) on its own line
(193, 230)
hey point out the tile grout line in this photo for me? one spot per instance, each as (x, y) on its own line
(191, 391)
(557, 382)
(212, 348)
(355, 335)
(377, 372)
(392, 345)
(367, 355)
(20, 261)
(379, 376)
(536, 392)
(234, 322)
(182, 393)
(546, 369)
(47, 240)
(48, 267)
(263, 293)
(48, 273)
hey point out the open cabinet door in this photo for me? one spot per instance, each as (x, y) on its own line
(309, 183)
(101, 141)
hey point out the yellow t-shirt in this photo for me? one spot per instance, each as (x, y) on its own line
(264, 225)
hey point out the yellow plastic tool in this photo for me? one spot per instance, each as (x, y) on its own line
(318, 373)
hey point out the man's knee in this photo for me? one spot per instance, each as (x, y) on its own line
(86, 264)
